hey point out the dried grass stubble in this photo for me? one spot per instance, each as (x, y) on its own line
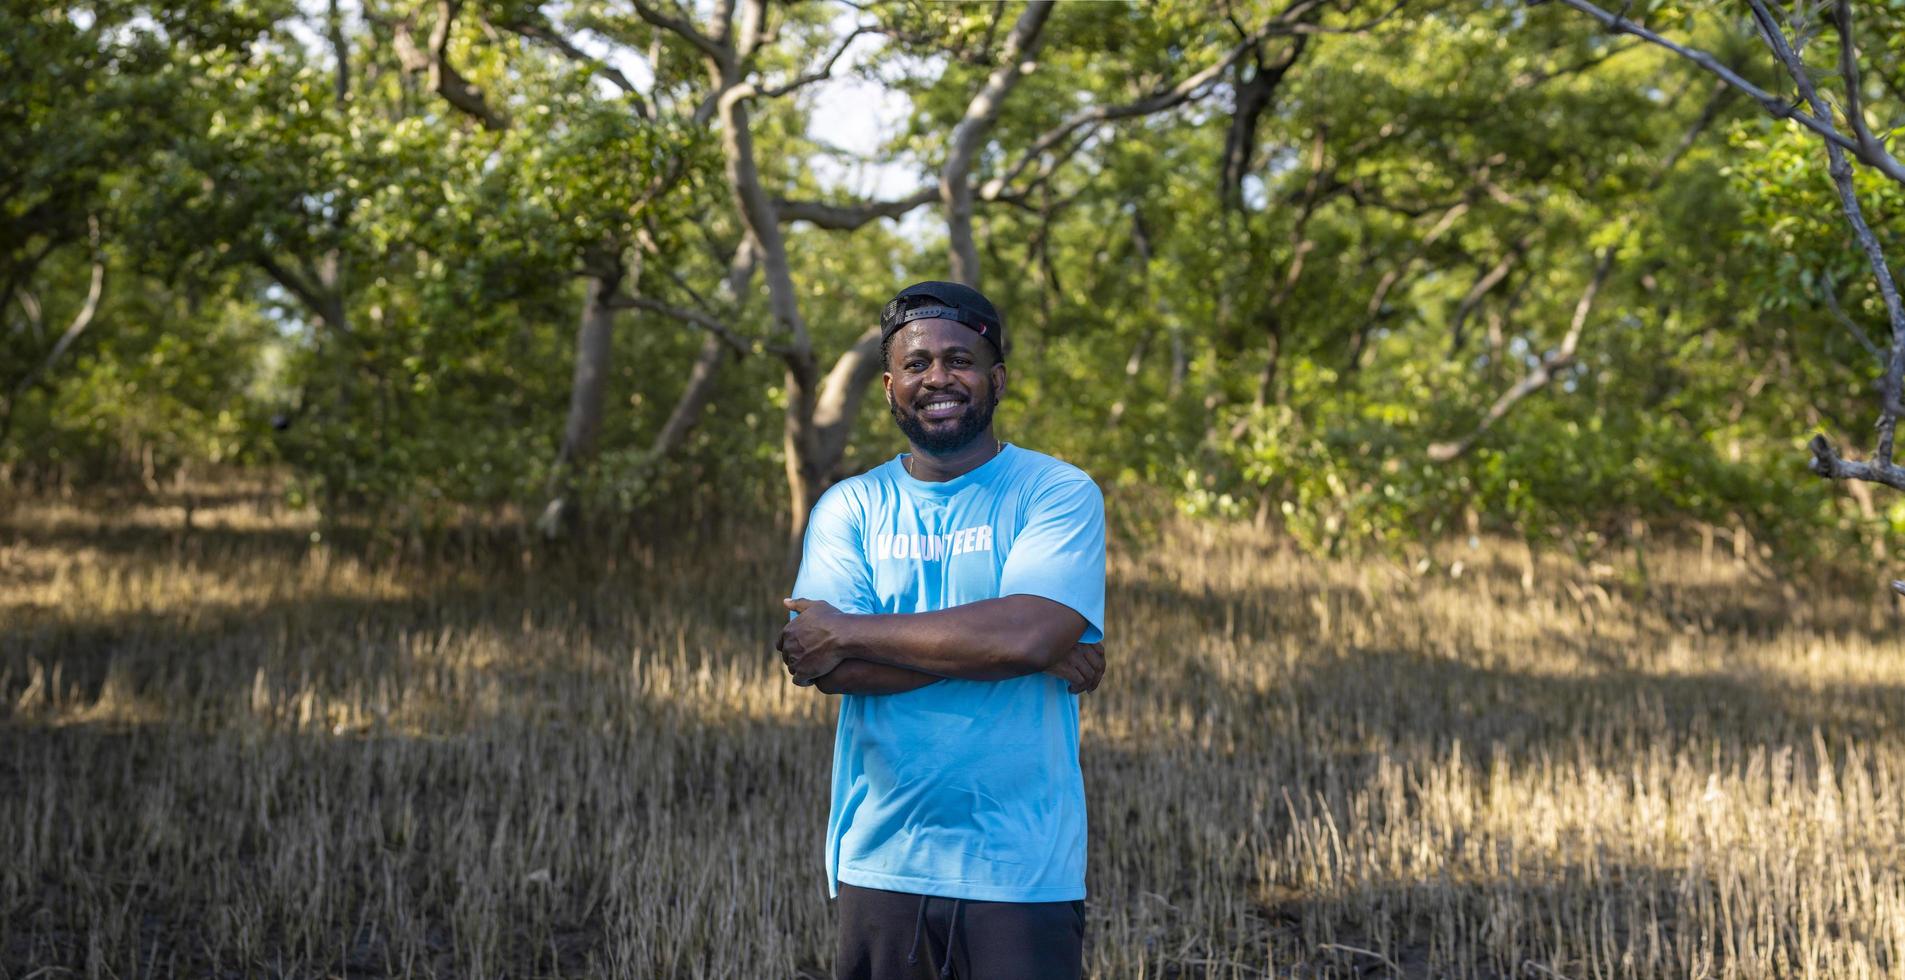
(258, 764)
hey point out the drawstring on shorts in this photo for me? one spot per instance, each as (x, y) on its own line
(919, 929)
(952, 940)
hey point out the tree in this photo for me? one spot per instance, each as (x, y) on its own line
(1846, 132)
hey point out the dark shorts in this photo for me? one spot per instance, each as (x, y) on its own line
(898, 936)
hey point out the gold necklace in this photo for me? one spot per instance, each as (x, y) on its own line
(998, 446)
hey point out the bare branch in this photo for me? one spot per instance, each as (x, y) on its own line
(35, 317)
(1831, 293)
(825, 71)
(340, 48)
(846, 217)
(1716, 100)
(694, 398)
(1776, 105)
(1541, 375)
(1544, 370)
(723, 21)
(1841, 171)
(81, 320)
(705, 321)
(1484, 284)
(1157, 101)
(1048, 165)
(1380, 295)
(1827, 463)
(679, 26)
(1870, 144)
(1819, 120)
(545, 34)
(296, 283)
(1542, 76)
(753, 29)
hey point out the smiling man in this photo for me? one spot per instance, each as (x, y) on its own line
(954, 599)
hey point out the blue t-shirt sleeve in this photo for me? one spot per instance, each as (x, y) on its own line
(1059, 552)
(833, 560)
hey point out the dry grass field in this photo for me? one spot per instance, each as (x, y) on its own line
(236, 752)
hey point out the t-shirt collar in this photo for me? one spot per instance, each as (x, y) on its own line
(946, 488)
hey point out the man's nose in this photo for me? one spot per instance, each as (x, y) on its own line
(937, 375)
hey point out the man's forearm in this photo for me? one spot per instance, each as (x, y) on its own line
(866, 677)
(994, 639)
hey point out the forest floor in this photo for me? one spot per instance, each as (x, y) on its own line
(236, 751)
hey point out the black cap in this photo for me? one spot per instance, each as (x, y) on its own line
(945, 301)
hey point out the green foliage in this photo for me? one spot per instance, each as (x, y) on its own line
(402, 284)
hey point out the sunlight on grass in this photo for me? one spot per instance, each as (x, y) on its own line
(236, 749)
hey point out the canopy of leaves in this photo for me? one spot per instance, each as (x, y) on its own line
(1272, 297)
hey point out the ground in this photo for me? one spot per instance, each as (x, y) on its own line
(239, 751)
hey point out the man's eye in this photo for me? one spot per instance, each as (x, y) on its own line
(916, 365)
(961, 362)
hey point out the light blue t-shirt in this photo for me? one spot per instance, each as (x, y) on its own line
(960, 789)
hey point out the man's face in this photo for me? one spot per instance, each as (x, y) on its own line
(942, 384)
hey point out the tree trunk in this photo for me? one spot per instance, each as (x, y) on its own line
(81, 320)
(595, 333)
(840, 396)
(694, 398)
(955, 180)
(800, 438)
(1273, 351)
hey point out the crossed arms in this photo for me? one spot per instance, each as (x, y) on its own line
(989, 640)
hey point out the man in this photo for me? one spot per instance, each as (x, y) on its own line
(954, 597)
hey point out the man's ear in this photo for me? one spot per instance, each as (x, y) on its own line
(998, 380)
(886, 381)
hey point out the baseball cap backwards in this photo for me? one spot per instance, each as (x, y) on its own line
(945, 301)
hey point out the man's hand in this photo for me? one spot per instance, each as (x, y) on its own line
(811, 644)
(1082, 668)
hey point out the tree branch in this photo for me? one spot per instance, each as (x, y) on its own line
(694, 398)
(705, 321)
(1841, 171)
(1380, 295)
(837, 406)
(955, 185)
(822, 73)
(1831, 293)
(846, 217)
(434, 64)
(334, 30)
(1871, 145)
(1826, 463)
(1544, 370)
(294, 282)
(720, 54)
(547, 35)
(1484, 284)
(1542, 76)
(1819, 121)
(81, 320)
(753, 29)
(1304, 27)
(1541, 375)
(1252, 99)
(1157, 101)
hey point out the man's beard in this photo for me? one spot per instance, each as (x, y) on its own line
(969, 425)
